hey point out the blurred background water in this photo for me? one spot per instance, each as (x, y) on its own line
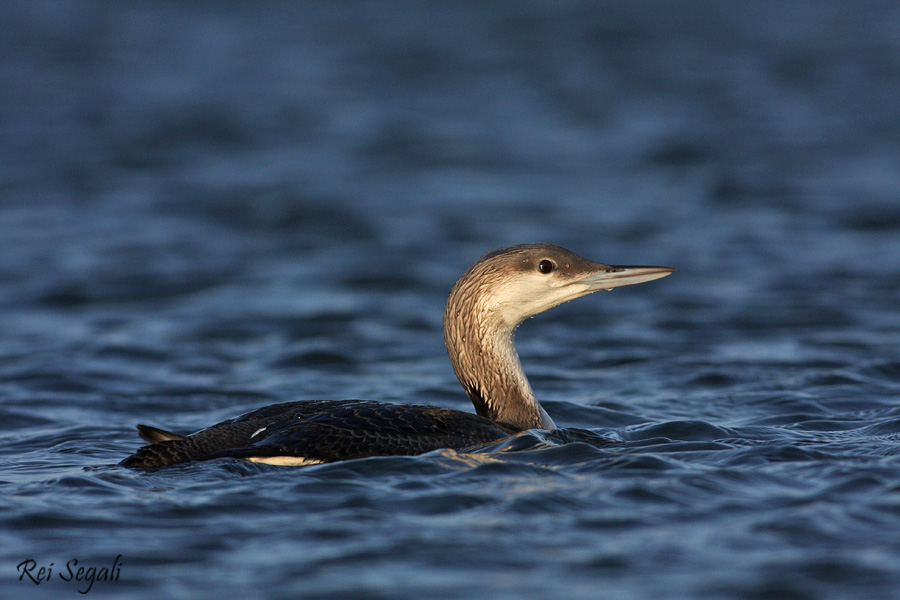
(208, 207)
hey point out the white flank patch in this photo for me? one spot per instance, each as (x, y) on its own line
(285, 461)
(258, 431)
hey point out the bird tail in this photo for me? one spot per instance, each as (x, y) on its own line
(165, 448)
(154, 435)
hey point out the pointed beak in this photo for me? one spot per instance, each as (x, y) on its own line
(616, 276)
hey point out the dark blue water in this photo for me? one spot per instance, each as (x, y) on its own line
(209, 207)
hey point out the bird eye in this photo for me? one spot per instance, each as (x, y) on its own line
(546, 266)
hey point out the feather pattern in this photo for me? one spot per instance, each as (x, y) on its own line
(324, 431)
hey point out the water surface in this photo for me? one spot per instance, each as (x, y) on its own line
(212, 208)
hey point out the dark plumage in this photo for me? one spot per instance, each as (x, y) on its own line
(322, 431)
(489, 301)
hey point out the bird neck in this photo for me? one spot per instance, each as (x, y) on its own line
(487, 365)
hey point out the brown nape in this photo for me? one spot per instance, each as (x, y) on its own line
(503, 288)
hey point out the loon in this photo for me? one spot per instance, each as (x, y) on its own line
(503, 288)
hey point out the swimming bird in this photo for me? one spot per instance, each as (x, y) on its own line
(503, 288)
